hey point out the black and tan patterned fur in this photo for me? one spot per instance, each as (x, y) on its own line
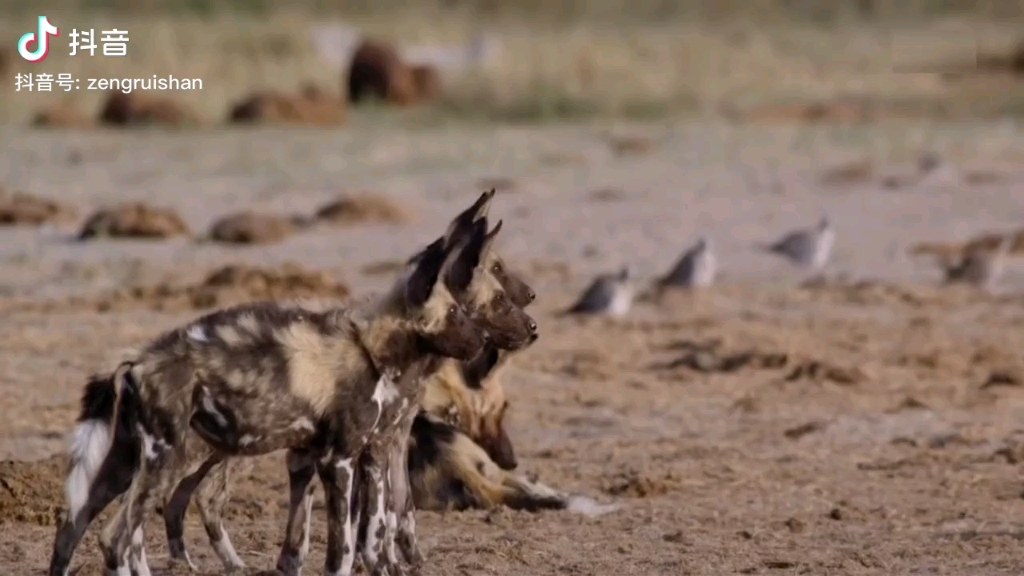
(316, 383)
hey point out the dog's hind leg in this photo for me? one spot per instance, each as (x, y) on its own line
(113, 480)
(125, 527)
(177, 505)
(137, 556)
(211, 499)
(301, 469)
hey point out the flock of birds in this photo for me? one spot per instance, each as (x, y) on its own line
(809, 248)
(612, 294)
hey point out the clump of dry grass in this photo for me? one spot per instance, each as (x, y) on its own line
(565, 66)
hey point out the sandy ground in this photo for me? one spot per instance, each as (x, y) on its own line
(870, 426)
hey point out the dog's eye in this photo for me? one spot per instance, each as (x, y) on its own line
(452, 309)
(496, 268)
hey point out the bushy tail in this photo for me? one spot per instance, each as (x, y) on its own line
(94, 435)
(91, 440)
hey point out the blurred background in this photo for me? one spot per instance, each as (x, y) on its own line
(532, 60)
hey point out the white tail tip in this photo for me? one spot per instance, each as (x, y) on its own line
(589, 507)
(90, 443)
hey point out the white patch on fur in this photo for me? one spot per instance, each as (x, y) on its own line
(383, 393)
(197, 333)
(303, 424)
(588, 506)
(348, 530)
(247, 439)
(391, 528)
(372, 546)
(90, 443)
(137, 557)
(401, 412)
(151, 445)
(226, 552)
(210, 408)
(308, 504)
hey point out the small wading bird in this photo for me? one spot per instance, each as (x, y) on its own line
(696, 268)
(610, 294)
(806, 248)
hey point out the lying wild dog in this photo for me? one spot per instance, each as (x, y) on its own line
(316, 383)
(448, 471)
(212, 495)
(470, 397)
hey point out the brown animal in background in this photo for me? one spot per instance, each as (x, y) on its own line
(312, 107)
(377, 70)
(250, 227)
(133, 220)
(133, 109)
(427, 80)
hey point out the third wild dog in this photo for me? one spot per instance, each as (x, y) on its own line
(263, 377)
(448, 471)
(470, 397)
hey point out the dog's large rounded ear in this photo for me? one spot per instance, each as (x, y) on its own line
(462, 224)
(460, 273)
(421, 282)
(489, 240)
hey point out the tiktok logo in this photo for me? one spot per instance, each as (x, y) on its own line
(41, 40)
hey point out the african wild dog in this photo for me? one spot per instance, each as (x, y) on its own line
(396, 518)
(470, 397)
(448, 471)
(317, 383)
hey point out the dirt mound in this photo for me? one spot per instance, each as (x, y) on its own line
(362, 208)
(61, 116)
(311, 107)
(23, 208)
(134, 109)
(254, 228)
(133, 220)
(635, 484)
(32, 492)
(232, 284)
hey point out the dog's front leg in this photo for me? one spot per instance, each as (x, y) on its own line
(301, 469)
(337, 476)
(375, 512)
(404, 509)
